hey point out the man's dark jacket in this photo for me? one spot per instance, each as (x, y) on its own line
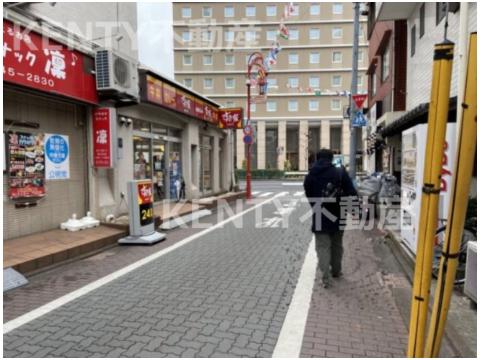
(322, 173)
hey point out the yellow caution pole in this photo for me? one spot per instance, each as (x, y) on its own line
(437, 125)
(458, 205)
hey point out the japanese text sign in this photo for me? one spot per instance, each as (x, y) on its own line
(103, 137)
(231, 118)
(43, 64)
(57, 156)
(145, 202)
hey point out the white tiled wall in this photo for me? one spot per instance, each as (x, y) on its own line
(419, 67)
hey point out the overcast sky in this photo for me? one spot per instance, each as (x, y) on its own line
(155, 36)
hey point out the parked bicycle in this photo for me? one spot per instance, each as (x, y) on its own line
(469, 234)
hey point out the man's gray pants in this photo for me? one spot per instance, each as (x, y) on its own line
(329, 252)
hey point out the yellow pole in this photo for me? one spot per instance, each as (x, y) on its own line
(458, 205)
(437, 125)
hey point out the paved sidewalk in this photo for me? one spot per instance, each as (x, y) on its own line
(365, 313)
(224, 294)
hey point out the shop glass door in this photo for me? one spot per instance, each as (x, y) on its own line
(159, 170)
(175, 170)
(142, 149)
(206, 164)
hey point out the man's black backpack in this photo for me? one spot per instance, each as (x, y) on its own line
(333, 189)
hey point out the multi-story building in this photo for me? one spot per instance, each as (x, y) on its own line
(304, 108)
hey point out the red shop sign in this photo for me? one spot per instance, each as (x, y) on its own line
(154, 90)
(43, 64)
(103, 139)
(199, 110)
(185, 103)
(231, 118)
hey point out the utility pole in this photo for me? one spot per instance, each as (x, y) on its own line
(353, 91)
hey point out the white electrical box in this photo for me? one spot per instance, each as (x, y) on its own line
(470, 288)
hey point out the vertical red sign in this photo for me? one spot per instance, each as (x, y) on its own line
(102, 138)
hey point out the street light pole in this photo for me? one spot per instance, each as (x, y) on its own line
(354, 89)
(249, 174)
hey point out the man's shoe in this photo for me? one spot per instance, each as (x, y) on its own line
(337, 275)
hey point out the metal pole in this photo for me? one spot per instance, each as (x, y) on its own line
(353, 130)
(249, 175)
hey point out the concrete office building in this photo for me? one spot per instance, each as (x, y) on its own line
(213, 42)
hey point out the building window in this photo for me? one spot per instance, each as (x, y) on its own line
(386, 63)
(292, 105)
(422, 20)
(271, 145)
(293, 58)
(314, 34)
(188, 83)
(296, 10)
(441, 11)
(250, 11)
(207, 60)
(315, 9)
(360, 80)
(250, 35)
(412, 40)
(271, 10)
(293, 34)
(186, 12)
(229, 36)
(314, 82)
(186, 36)
(271, 106)
(336, 80)
(229, 11)
(208, 83)
(207, 11)
(187, 59)
(335, 104)
(272, 82)
(337, 33)
(206, 35)
(230, 104)
(253, 107)
(314, 58)
(337, 8)
(373, 83)
(360, 56)
(313, 105)
(337, 57)
(229, 59)
(229, 83)
(293, 82)
(271, 35)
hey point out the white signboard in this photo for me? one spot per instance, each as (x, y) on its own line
(57, 157)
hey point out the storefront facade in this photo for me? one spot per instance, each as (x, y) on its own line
(47, 96)
(172, 138)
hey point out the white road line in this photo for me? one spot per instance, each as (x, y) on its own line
(255, 192)
(292, 183)
(266, 194)
(45, 309)
(289, 344)
(299, 193)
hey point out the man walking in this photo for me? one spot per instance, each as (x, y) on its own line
(324, 185)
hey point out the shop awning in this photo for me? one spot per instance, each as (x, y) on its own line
(418, 115)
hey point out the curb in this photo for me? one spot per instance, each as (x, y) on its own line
(407, 263)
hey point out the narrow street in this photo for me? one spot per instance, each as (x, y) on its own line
(223, 291)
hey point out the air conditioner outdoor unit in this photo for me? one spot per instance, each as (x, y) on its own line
(470, 288)
(116, 76)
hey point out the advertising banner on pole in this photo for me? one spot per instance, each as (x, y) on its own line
(57, 157)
